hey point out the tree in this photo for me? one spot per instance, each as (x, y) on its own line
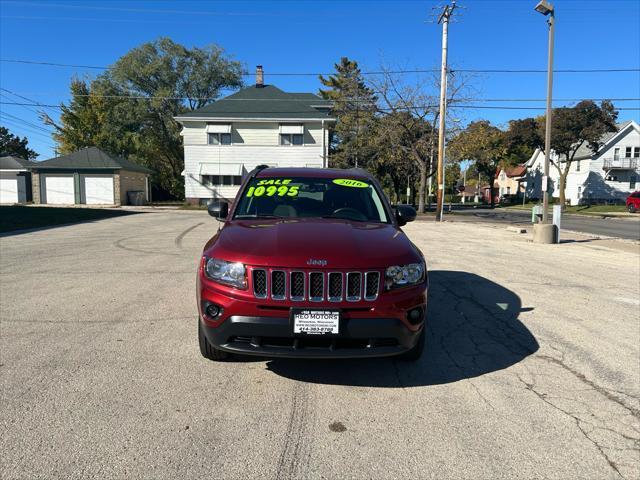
(354, 107)
(575, 127)
(491, 148)
(392, 164)
(485, 145)
(129, 109)
(414, 108)
(12, 145)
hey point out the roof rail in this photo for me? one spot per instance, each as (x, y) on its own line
(360, 170)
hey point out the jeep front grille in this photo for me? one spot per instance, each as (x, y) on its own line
(315, 286)
(260, 283)
(335, 287)
(354, 286)
(278, 285)
(296, 285)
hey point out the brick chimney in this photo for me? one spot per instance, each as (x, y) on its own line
(259, 76)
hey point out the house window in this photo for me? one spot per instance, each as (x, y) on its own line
(508, 190)
(636, 152)
(291, 139)
(503, 176)
(579, 192)
(627, 152)
(616, 153)
(578, 166)
(632, 182)
(219, 138)
(221, 180)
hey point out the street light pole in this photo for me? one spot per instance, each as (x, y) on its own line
(547, 9)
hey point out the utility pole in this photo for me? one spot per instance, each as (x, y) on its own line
(444, 18)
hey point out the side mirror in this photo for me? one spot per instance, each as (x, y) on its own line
(218, 210)
(405, 214)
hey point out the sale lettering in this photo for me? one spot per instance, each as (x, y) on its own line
(275, 181)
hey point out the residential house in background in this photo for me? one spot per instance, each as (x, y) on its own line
(89, 176)
(608, 175)
(259, 125)
(15, 180)
(509, 181)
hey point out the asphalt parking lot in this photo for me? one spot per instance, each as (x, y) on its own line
(531, 369)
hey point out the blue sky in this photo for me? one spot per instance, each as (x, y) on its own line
(310, 36)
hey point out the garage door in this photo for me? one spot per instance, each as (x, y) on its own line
(8, 188)
(98, 190)
(59, 190)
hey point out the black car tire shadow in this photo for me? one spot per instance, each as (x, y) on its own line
(472, 329)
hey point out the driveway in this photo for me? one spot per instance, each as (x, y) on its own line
(531, 367)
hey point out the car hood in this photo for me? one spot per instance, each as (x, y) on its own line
(296, 243)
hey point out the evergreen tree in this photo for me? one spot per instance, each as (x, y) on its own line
(12, 145)
(354, 107)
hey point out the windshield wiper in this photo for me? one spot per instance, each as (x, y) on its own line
(346, 218)
(255, 215)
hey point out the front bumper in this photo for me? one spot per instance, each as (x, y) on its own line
(272, 337)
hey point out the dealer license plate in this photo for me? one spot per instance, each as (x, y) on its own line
(316, 322)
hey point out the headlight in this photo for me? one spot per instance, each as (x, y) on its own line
(229, 273)
(403, 275)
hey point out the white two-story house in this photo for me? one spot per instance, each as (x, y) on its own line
(608, 175)
(258, 125)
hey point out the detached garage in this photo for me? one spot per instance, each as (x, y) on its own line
(15, 180)
(91, 177)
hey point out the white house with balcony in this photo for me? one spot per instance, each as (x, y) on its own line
(258, 125)
(606, 176)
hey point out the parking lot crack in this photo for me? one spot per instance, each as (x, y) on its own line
(531, 387)
(609, 394)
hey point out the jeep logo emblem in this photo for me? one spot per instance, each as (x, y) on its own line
(312, 262)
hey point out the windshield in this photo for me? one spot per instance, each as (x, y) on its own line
(300, 197)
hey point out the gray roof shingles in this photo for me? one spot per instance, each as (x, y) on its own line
(585, 152)
(264, 102)
(90, 158)
(14, 163)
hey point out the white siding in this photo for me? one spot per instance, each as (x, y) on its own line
(246, 155)
(594, 184)
(194, 133)
(256, 134)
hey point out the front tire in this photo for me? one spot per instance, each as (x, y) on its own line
(207, 350)
(415, 353)
(632, 208)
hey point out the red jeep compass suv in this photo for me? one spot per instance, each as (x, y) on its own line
(311, 263)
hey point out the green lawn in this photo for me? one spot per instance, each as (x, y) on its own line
(18, 217)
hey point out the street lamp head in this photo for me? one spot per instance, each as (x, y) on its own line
(544, 7)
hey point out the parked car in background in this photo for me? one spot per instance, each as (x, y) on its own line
(633, 202)
(311, 263)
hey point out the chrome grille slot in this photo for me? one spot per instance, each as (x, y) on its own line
(299, 286)
(371, 285)
(296, 286)
(259, 283)
(354, 286)
(334, 291)
(278, 285)
(316, 286)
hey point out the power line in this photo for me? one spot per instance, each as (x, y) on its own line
(373, 72)
(26, 122)
(404, 107)
(307, 101)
